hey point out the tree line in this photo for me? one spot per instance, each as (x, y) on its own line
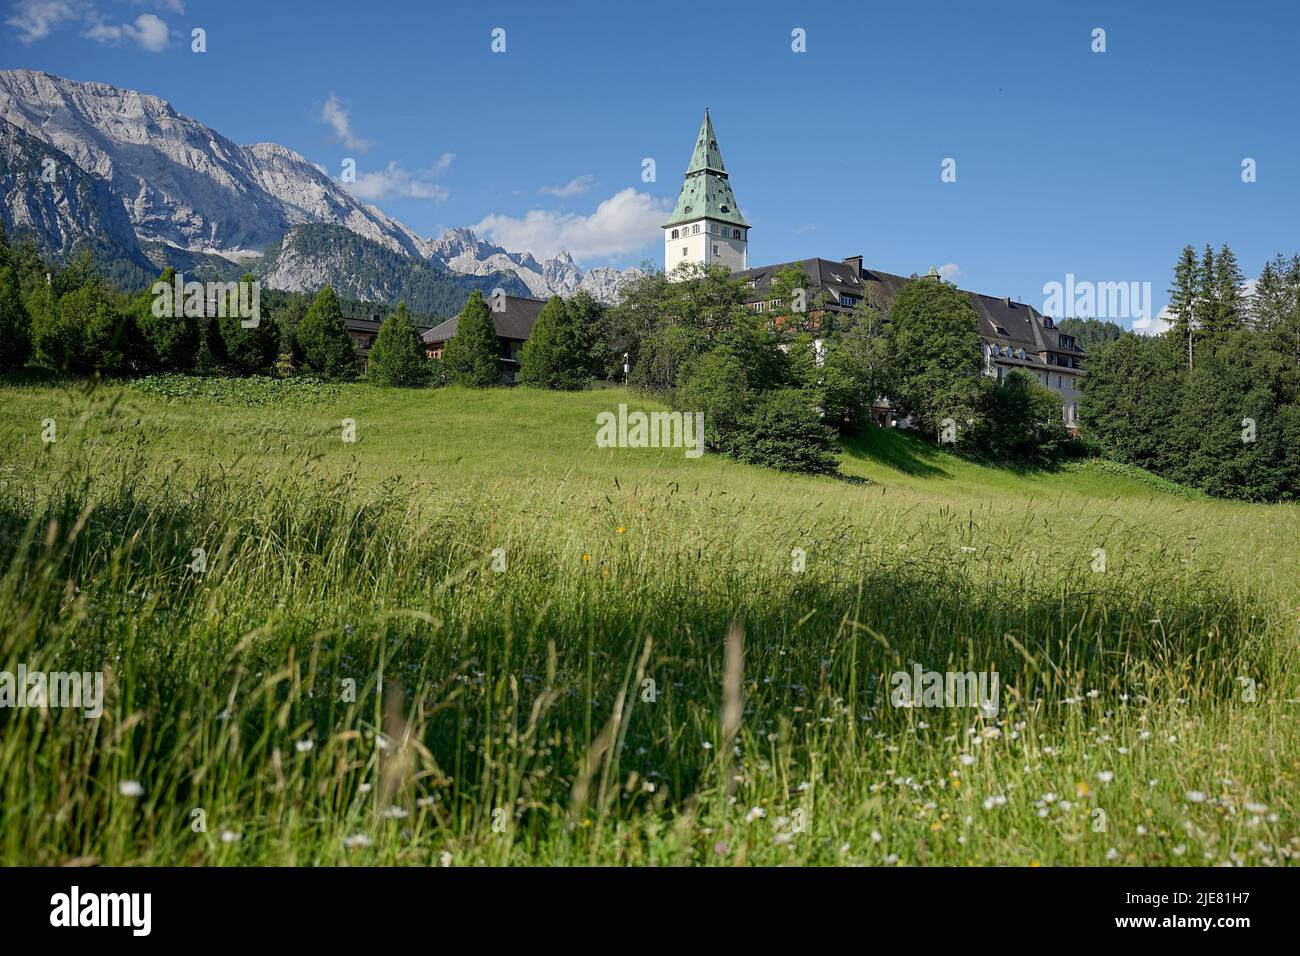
(1214, 402)
(68, 318)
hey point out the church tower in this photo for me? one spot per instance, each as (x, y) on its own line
(706, 226)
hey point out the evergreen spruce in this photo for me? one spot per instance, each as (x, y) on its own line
(1230, 306)
(323, 337)
(397, 357)
(173, 340)
(1206, 310)
(1182, 300)
(15, 322)
(473, 355)
(554, 356)
(248, 349)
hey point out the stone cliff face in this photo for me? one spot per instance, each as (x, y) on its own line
(136, 172)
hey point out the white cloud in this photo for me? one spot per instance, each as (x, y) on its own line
(1155, 326)
(149, 32)
(393, 180)
(951, 272)
(574, 187)
(625, 222)
(340, 119)
(36, 18)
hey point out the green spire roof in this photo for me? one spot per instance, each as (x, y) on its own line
(706, 191)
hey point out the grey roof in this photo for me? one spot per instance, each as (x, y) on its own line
(371, 325)
(515, 321)
(1001, 321)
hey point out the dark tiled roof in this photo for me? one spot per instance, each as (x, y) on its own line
(1001, 321)
(515, 321)
(370, 325)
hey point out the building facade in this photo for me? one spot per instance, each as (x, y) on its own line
(707, 228)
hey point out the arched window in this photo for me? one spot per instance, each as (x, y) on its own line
(735, 233)
(674, 233)
(695, 229)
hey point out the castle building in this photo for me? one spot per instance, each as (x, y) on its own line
(707, 228)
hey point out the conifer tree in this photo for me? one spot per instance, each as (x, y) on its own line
(1182, 300)
(1269, 303)
(473, 355)
(1229, 313)
(554, 356)
(323, 336)
(1206, 310)
(172, 337)
(251, 348)
(15, 322)
(397, 357)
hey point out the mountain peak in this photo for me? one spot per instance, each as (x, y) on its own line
(181, 185)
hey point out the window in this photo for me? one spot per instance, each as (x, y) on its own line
(735, 234)
(683, 252)
(1060, 382)
(715, 248)
(675, 234)
(695, 229)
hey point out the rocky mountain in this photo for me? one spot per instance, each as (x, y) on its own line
(181, 182)
(145, 185)
(47, 195)
(462, 251)
(606, 284)
(363, 270)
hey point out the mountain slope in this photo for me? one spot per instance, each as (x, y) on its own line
(74, 212)
(181, 182)
(312, 256)
(149, 187)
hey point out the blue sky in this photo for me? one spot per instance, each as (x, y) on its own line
(1068, 161)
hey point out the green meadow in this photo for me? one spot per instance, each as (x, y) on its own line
(472, 637)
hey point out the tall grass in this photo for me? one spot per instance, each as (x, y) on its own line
(505, 715)
(569, 708)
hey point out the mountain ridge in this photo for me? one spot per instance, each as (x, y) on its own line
(189, 193)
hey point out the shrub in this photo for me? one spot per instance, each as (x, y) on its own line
(783, 429)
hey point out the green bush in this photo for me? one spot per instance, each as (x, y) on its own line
(783, 429)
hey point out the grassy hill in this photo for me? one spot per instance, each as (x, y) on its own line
(538, 632)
